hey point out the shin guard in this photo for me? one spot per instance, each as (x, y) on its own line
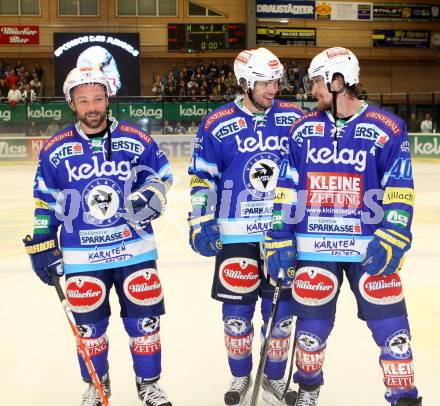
(239, 334)
(96, 343)
(393, 337)
(145, 346)
(310, 341)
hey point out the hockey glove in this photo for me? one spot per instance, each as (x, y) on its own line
(145, 204)
(46, 257)
(280, 252)
(386, 251)
(204, 235)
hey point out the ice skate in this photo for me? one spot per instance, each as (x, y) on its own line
(238, 392)
(91, 395)
(307, 396)
(273, 390)
(151, 393)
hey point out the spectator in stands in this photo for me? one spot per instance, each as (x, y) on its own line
(19, 68)
(413, 124)
(225, 68)
(167, 127)
(28, 94)
(192, 129)
(180, 129)
(362, 95)
(230, 80)
(39, 71)
(37, 86)
(12, 79)
(215, 96)
(426, 125)
(301, 95)
(32, 130)
(157, 87)
(213, 70)
(4, 90)
(287, 91)
(171, 92)
(14, 95)
(52, 128)
(192, 84)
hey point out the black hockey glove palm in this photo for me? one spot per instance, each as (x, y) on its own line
(46, 257)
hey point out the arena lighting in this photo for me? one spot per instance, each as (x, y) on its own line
(274, 20)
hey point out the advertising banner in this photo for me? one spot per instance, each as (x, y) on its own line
(401, 38)
(427, 146)
(343, 11)
(19, 35)
(286, 36)
(286, 9)
(401, 12)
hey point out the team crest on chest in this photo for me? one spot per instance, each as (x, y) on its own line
(101, 199)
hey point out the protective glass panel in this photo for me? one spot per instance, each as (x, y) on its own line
(68, 7)
(8, 6)
(196, 10)
(89, 7)
(167, 8)
(30, 7)
(127, 7)
(147, 7)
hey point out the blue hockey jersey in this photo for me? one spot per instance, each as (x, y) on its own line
(77, 188)
(341, 181)
(235, 165)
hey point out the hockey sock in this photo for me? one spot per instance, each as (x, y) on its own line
(145, 345)
(239, 334)
(311, 340)
(96, 343)
(393, 337)
(280, 342)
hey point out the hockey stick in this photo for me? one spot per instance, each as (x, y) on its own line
(267, 338)
(292, 359)
(80, 344)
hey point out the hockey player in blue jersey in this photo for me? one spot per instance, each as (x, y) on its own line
(101, 183)
(234, 168)
(348, 169)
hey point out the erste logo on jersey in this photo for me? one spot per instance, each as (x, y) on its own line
(285, 119)
(229, 127)
(100, 200)
(371, 132)
(308, 129)
(127, 144)
(239, 275)
(381, 290)
(143, 287)
(85, 293)
(314, 286)
(260, 175)
(334, 189)
(64, 151)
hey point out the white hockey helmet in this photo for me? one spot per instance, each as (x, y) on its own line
(335, 60)
(84, 76)
(257, 65)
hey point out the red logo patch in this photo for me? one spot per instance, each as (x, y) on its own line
(147, 345)
(314, 286)
(218, 114)
(279, 348)
(133, 130)
(390, 123)
(95, 346)
(57, 138)
(381, 290)
(84, 293)
(398, 374)
(143, 287)
(334, 189)
(239, 275)
(273, 63)
(309, 361)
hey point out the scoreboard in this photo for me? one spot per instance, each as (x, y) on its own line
(206, 37)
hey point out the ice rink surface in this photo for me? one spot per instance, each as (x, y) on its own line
(37, 351)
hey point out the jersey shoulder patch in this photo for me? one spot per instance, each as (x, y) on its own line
(219, 113)
(131, 129)
(67, 132)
